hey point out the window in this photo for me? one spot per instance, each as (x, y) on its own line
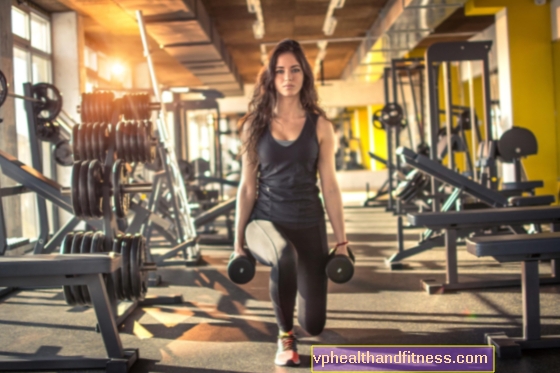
(40, 33)
(20, 23)
(32, 64)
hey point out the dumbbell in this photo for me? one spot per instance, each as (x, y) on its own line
(340, 268)
(241, 268)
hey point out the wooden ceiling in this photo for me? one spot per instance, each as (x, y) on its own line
(457, 27)
(295, 19)
(113, 30)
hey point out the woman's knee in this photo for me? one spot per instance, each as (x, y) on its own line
(313, 326)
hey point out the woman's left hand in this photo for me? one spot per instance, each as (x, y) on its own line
(342, 250)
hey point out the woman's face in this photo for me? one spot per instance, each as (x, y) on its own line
(288, 78)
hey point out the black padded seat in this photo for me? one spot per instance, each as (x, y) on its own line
(527, 249)
(531, 200)
(486, 217)
(517, 247)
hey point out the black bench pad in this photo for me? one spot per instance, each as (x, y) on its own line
(523, 185)
(531, 201)
(532, 246)
(59, 265)
(486, 217)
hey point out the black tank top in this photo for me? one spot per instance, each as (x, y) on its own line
(287, 182)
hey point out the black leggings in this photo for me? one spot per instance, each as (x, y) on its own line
(298, 258)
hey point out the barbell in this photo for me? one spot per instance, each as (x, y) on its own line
(47, 100)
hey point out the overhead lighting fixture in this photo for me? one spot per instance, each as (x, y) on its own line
(254, 6)
(179, 89)
(264, 55)
(322, 45)
(330, 22)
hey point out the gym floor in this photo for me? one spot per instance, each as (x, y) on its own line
(223, 327)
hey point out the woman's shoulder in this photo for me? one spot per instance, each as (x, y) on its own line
(323, 124)
(324, 128)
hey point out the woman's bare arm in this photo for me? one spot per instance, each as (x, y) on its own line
(246, 195)
(329, 184)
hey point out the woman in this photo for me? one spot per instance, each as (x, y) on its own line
(286, 140)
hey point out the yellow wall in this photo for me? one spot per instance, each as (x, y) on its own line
(532, 80)
(556, 66)
(362, 127)
(379, 140)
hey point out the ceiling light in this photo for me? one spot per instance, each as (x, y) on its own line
(322, 45)
(330, 22)
(329, 26)
(264, 55)
(180, 89)
(254, 6)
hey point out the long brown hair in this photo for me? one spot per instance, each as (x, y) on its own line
(261, 107)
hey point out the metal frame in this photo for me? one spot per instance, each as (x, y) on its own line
(184, 226)
(55, 271)
(506, 249)
(458, 224)
(441, 54)
(391, 95)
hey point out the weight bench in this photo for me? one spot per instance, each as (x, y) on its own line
(461, 184)
(456, 223)
(71, 269)
(527, 249)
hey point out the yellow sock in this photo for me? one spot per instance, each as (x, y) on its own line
(285, 334)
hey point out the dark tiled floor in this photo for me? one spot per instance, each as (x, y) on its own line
(223, 327)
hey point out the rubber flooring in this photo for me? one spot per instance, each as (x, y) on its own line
(223, 327)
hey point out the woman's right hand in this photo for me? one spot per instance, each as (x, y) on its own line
(238, 249)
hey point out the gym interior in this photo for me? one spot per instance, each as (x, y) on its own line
(447, 157)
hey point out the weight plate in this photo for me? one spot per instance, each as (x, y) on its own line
(97, 243)
(62, 153)
(117, 275)
(95, 188)
(134, 143)
(82, 133)
(119, 139)
(93, 133)
(83, 108)
(143, 274)
(103, 103)
(3, 88)
(151, 142)
(392, 115)
(146, 107)
(136, 262)
(75, 189)
(139, 141)
(131, 140)
(85, 248)
(51, 101)
(90, 142)
(76, 248)
(125, 254)
(102, 141)
(76, 142)
(121, 200)
(83, 190)
(98, 98)
(66, 248)
(44, 131)
(125, 143)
